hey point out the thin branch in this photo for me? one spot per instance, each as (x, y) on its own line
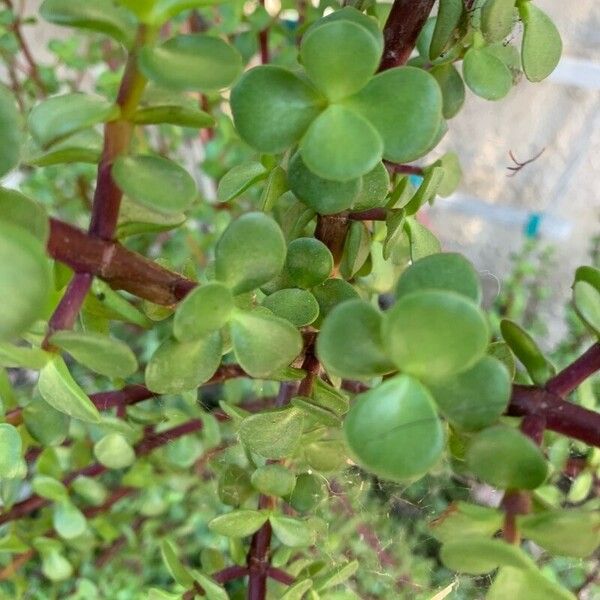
(230, 574)
(66, 312)
(263, 42)
(519, 165)
(572, 376)
(281, 576)
(403, 169)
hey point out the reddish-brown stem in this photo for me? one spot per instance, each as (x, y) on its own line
(230, 573)
(402, 28)
(16, 564)
(533, 426)
(514, 503)
(258, 555)
(281, 576)
(331, 230)
(263, 43)
(373, 214)
(572, 376)
(403, 169)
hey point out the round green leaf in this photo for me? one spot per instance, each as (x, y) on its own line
(374, 189)
(486, 74)
(299, 307)
(10, 451)
(405, 106)
(238, 523)
(60, 390)
(25, 213)
(56, 567)
(155, 182)
(308, 262)
(434, 333)
(263, 343)
(350, 343)
(331, 293)
(180, 366)
(497, 19)
(9, 131)
(310, 490)
(446, 271)
(45, 424)
(25, 277)
(323, 195)
(49, 488)
(529, 584)
(586, 298)
(393, 430)
(476, 397)
(448, 17)
(89, 489)
(193, 62)
(292, 532)
(507, 459)
(452, 86)
(250, 252)
(61, 116)
(340, 144)
(272, 108)
(273, 480)
(204, 310)
(114, 452)
(234, 486)
(542, 46)
(237, 180)
(100, 353)
(68, 520)
(340, 57)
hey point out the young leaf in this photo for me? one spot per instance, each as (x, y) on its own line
(486, 74)
(250, 253)
(238, 523)
(234, 486)
(114, 451)
(340, 57)
(422, 241)
(176, 367)
(337, 575)
(507, 459)
(60, 390)
(310, 490)
(193, 62)
(174, 115)
(292, 532)
(273, 434)
(56, 567)
(393, 430)
(299, 307)
(476, 397)
(586, 298)
(237, 180)
(155, 182)
(68, 520)
(204, 310)
(10, 451)
(497, 19)
(374, 189)
(212, 590)
(11, 132)
(26, 281)
(341, 144)
(448, 17)
(273, 480)
(308, 262)
(100, 353)
(462, 519)
(61, 116)
(272, 107)
(297, 590)
(432, 333)
(357, 248)
(542, 46)
(179, 573)
(50, 488)
(405, 106)
(350, 343)
(316, 412)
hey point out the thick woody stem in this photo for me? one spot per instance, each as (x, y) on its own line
(577, 372)
(258, 556)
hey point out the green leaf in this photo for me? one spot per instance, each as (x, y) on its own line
(511, 582)
(45, 424)
(452, 86)
(452, 173)
(56, 567)
(422, 241)
(272, 108)
(113, 451)
(155, 182)
(85, 146)
(497, 19)
(462, 519)
(527, 351)
(163, 10)
(341, 144)
(238, 523)
(507, 459)
(173, 115)
(330, 398)
(587, 304)
(447, 271)
(103, 16)
(315, 412)
(273, 480)
(179, 573)
(68, 521)
(234, 486)
(340, 57)
(323, 195)
(212, 590)
(357, 248)
(50, 488)
(486, 74)
(309, 492)
(237, 180)
(477, 556)
(563, 532)
(10, 451)
(100, 353)
(432, 333)
(474, 398)
(336, 576)
(90, 490)
(374, 189)
(446, 22)
(19, 210)
(205, 309)
(250, 252)
(393, 430)
(9, 130)
(502, 352)
(273, 434)
(297, 590)
(275, 186)
(26, 280)
(331, 293)
(60, 390)
(542, 46)
(308, 262)
(180, 366)
(61, 116)
(432, 179)
(350, 344)
(299, 307)
(193, 62)
(405, 106)
(22, 356)
(292, 532)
